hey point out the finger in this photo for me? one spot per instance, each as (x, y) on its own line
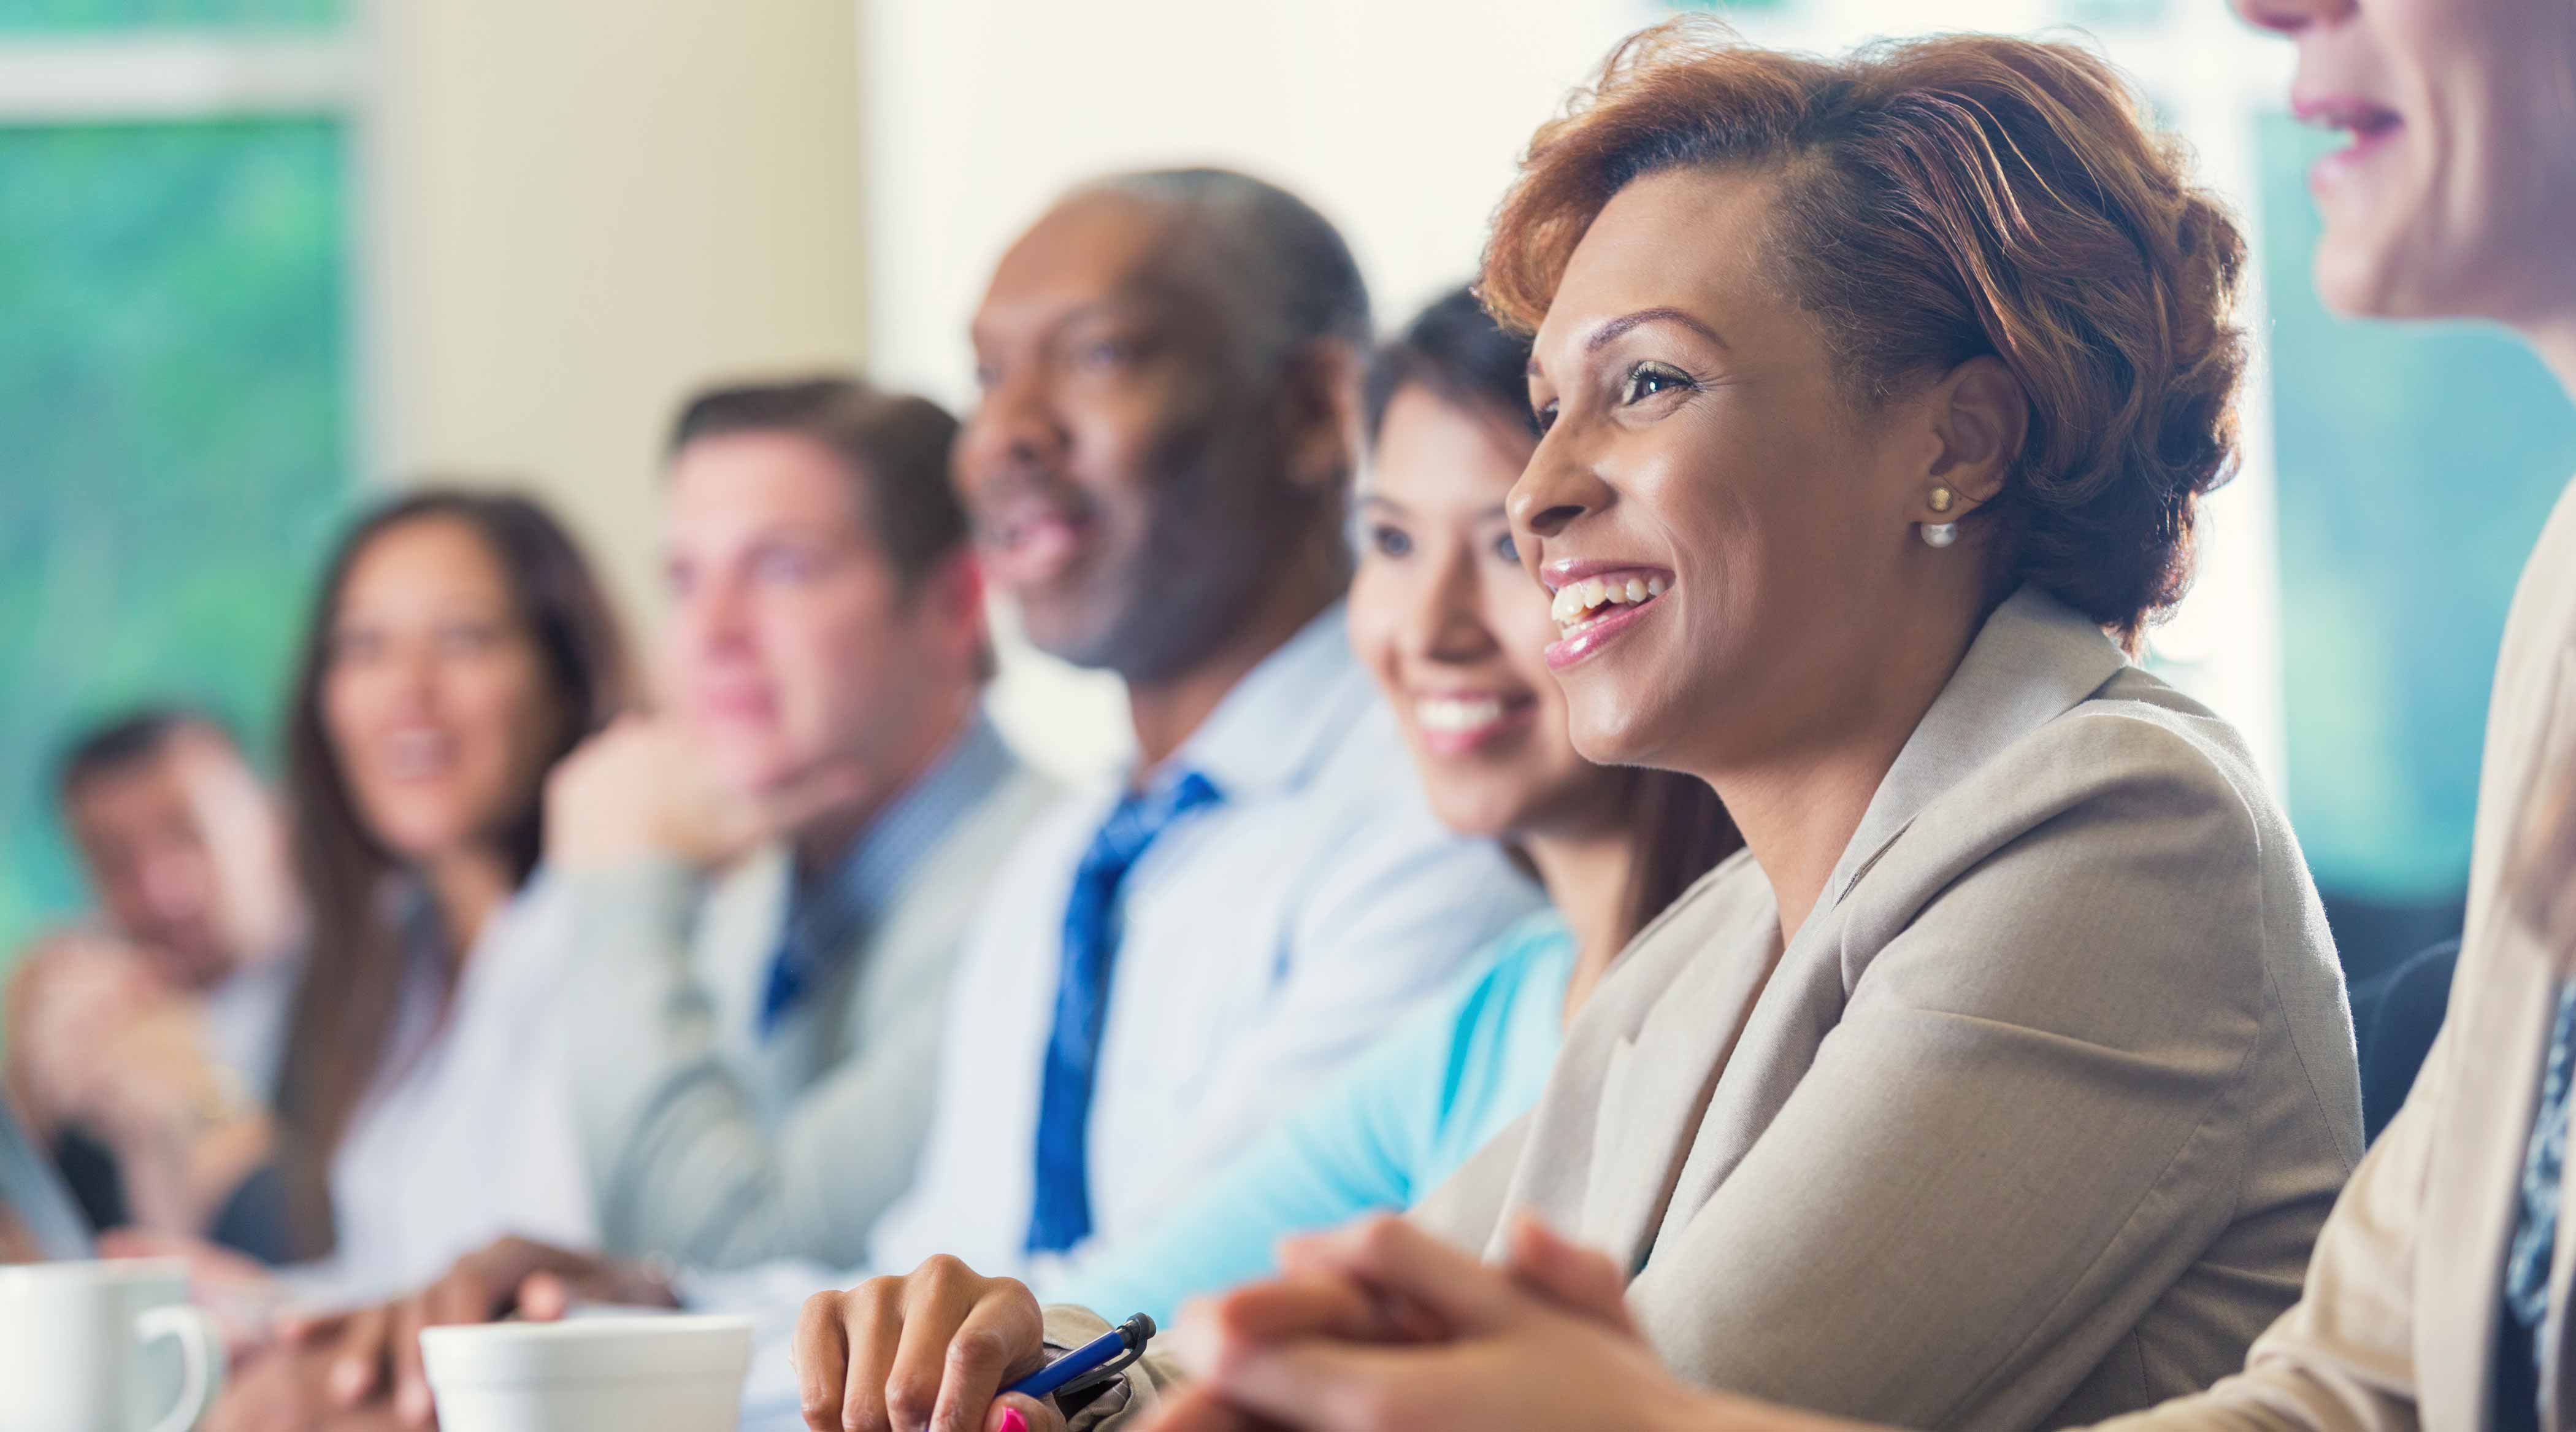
(300, 1326)
(1003, 1333)
(874, 1333)
(1391, 1255)
(1346, 1387)
(1198, 1408)
(357, 1362)
(820, 1354)
(1568, 1274)
(412, 1405)
(1215, 1330)
(937, 1299)
(1014, 1413)
(828, 1370)
(544, 1297)
(1315, 1295)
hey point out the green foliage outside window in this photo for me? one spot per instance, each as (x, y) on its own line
(76, 16)
(174, 386)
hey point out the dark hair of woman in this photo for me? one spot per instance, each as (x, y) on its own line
(355, 968)
(1455, 350)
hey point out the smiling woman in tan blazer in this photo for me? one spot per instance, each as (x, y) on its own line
(2008, 1076)
(2455, 200)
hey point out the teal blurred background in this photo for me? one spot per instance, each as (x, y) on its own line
(175, 384)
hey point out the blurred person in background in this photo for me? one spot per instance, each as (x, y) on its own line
(459, 650)
(766, 887)
(769, 885)
(2437, 1295)
(142, 1046)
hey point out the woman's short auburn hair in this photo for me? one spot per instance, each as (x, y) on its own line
(1938, 200)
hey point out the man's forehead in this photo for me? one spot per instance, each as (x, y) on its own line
(139, 788)
(1103, 253)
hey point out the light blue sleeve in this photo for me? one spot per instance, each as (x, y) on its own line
(1373, 1139)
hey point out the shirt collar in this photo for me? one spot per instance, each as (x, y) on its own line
(2034, 660)
(1274, 728)
(866, 880)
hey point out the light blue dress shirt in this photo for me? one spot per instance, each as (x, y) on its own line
(1265, 944)
(1389, 1130)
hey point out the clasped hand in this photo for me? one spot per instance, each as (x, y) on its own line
(1382, 1327)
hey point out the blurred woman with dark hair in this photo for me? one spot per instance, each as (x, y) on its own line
(460, 647)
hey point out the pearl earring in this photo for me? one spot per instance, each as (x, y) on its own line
(1940, 534)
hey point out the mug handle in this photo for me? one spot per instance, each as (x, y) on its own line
(201, 1356)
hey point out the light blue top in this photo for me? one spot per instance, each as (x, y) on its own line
(1390, 1129)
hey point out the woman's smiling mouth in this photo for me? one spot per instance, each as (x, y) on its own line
(1596, 602)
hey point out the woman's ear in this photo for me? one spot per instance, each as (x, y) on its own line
(1980, 414)
(1320, 395)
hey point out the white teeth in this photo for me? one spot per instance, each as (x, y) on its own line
(1449, 714)
(1578, 603)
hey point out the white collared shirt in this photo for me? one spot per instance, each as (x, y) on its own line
(1266, 940)
(467, 1133)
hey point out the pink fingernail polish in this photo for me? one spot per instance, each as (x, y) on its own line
(1012, 1421)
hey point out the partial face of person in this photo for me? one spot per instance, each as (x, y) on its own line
(142, 832)
(2456, 196)
(793, 642)
(435, 699)
(1726, 535)
(1454, 629)
(1125, 465)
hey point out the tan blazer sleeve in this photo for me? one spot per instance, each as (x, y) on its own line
(2028, 1120)
(2342, 1359)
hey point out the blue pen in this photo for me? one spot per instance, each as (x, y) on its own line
(1101, 1354)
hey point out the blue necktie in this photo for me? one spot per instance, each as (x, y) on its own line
(819, 926)
(1060, 1215)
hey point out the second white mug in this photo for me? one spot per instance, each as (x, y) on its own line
(608, 1373)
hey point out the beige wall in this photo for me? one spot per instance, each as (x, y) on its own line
(583, 208)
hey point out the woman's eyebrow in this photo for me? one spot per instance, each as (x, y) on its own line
(1609, 332)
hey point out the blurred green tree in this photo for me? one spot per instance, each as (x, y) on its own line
(174, 386)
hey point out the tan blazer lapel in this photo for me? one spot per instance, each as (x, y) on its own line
(2503, 999)
(1580, 1119)
(1656, 1093)
(2476, 1186)
(2536, 984)
(1589, 1070)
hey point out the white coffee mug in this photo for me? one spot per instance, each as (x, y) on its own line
(639, 1373)
(104, 1347)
